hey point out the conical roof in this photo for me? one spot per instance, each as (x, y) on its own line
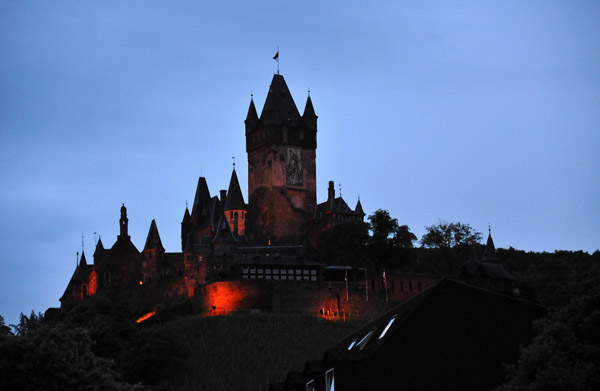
(235, 199)
(359, 209)
(186, 216)
(99, 249)
(252, 116)
(153, 241)
(490, 249)
(279, 108)
(200, 200)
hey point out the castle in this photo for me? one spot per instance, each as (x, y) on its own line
(238, 256)
(224, 238)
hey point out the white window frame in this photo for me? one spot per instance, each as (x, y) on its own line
(330, 385)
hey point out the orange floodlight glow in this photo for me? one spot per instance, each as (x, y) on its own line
(145, 317)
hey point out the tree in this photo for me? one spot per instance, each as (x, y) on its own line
(565, 354)
(391, 243)
(55, 358)
(449, 235)
(4, 329)
(344, 244)
(27, 324)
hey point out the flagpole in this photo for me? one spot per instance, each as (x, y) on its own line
(385, 284)
(346, 278)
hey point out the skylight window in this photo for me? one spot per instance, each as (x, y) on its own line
(387, 327)
(352, 344)
(363, 342)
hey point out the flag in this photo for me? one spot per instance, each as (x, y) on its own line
(276, 56)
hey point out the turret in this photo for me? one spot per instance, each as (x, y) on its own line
(489, 254)
(185, 227)
(252, 117)
(123, 223)
(234, 207)
(99, 253)
(309, 117)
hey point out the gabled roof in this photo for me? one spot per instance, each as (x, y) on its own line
(451, 333)
(153, 241)
(235, 199)
(279, 108)
(224, 234)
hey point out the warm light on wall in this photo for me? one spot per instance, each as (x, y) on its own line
(145, 317)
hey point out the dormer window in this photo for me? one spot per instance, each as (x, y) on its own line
(329, 380)
(387, 327)
(310, 386)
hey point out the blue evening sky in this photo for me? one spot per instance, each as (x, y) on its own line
(482, 111)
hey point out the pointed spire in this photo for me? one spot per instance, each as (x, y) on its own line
(99, 252)
(490, 249)
(186, 216)
(359, 209)
(153, 241)
(235, 199)
(82, 261)
(200, 201)
(309, 116)
(252, 117)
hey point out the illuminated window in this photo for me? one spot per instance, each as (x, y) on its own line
(385, 330)
(310, 386)
(352, 344)
(329, 380)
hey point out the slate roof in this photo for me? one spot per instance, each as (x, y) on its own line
(279, 108)
(235, 199)
(100, 251)
(153, 241)
(201, 201)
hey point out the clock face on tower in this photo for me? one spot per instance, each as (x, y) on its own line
(293, 167)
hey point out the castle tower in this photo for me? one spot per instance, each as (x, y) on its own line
(153, 252)
(281, 147)
(123, 223)
(234, 207)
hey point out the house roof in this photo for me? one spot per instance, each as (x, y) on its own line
(449, 334)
